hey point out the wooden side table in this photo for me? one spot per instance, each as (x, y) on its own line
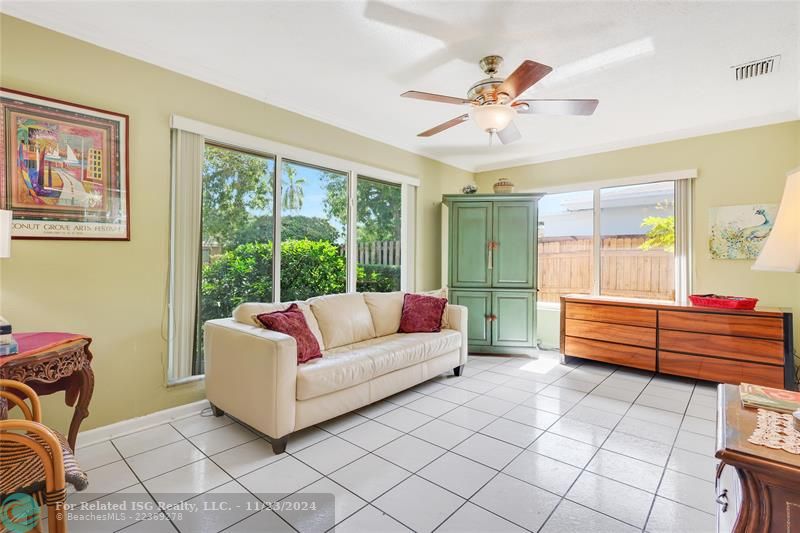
(770, 479)
(66, 367)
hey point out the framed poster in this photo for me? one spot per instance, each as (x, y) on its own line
(64, 169)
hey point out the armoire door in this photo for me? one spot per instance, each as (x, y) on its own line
(470, 233)
(514, 261)
(478, 304)
(514, 312)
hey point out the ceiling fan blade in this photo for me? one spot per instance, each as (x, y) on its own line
(526, 75)
(556, 107)
(509, 134)
(419, 95)
(445, 125)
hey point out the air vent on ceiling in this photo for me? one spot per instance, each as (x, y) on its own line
(754, 69)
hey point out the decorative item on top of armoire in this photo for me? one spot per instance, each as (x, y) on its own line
(469, 189)
(503, 186)
(64, 169)
(491, 260)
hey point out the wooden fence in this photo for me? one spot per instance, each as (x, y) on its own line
(379, 253)
(565, 267)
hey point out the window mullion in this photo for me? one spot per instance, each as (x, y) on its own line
(596, 243)
(276, 230)
(351, 256)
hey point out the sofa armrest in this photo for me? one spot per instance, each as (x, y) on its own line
(457, 320)
(251, 373)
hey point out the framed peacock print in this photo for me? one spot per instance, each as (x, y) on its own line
(64, 169)
(739, 231)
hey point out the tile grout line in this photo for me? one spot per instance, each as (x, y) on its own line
(473, 432)
(600, 447)
(672, 448)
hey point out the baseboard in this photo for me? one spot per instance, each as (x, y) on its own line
(126, 427)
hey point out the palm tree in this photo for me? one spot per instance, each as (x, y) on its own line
(292, 194)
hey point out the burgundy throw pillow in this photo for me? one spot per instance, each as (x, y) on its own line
(422, 314)
(292, 322)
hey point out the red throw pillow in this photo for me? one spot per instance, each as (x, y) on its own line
(422, 314)
(292, 322)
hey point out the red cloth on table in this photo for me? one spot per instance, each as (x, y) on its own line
(40, 341)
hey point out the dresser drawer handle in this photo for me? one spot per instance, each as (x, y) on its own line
(722, 499)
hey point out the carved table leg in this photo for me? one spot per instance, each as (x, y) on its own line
(85, 379)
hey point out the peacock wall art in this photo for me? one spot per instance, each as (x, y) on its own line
(739, 231)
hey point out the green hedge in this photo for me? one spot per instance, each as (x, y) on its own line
(308, 268)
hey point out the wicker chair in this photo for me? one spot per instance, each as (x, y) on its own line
(35, 460)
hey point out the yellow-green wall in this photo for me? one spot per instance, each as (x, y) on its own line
(115, 291)
(738, 167)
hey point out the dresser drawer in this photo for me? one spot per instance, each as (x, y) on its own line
(613, 314)
(720, 324)
(741, 348)
(601, 331)
(721, 370)
(620, 354)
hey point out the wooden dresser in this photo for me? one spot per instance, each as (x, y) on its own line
(720, 345)
(764, 494)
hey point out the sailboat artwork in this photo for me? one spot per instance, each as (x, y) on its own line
(740, 231)
(65, 169)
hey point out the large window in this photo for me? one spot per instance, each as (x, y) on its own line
(313, 231)
(565, 244)
(339, 230)
(378, 231)
(625, 241)
(236, 239)
(637, 249)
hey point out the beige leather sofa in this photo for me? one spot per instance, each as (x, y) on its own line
(252, 373)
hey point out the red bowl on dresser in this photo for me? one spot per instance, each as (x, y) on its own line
(724, 302)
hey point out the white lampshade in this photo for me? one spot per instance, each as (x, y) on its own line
(492, 117)
(781, 252)
(5, 233)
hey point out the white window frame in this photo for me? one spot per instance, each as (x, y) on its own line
(684, 263)
(267, 148)
(353, 169)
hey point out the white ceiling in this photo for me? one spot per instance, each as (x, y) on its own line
(661, 70)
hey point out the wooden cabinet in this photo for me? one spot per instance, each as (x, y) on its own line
(491, 258)
(720, 345)
(766, 496)
(479, 312)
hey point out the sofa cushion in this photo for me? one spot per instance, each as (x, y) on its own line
(293, 323)
(246, 314)
(422, 314)
(386, 309)
(357, 363)
(342, 318)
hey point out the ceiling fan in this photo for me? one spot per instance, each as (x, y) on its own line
(495, 101)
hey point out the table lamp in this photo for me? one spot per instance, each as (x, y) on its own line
(781, 252)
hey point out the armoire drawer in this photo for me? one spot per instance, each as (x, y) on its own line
(609, 352)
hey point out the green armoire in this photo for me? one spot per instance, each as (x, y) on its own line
(491, 268)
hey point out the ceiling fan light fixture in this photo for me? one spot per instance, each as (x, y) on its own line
(492, 117)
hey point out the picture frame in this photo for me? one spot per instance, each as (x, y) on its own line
(65, 169)
(738, 232)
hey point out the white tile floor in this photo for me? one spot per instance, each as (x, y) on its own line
(515, 444)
